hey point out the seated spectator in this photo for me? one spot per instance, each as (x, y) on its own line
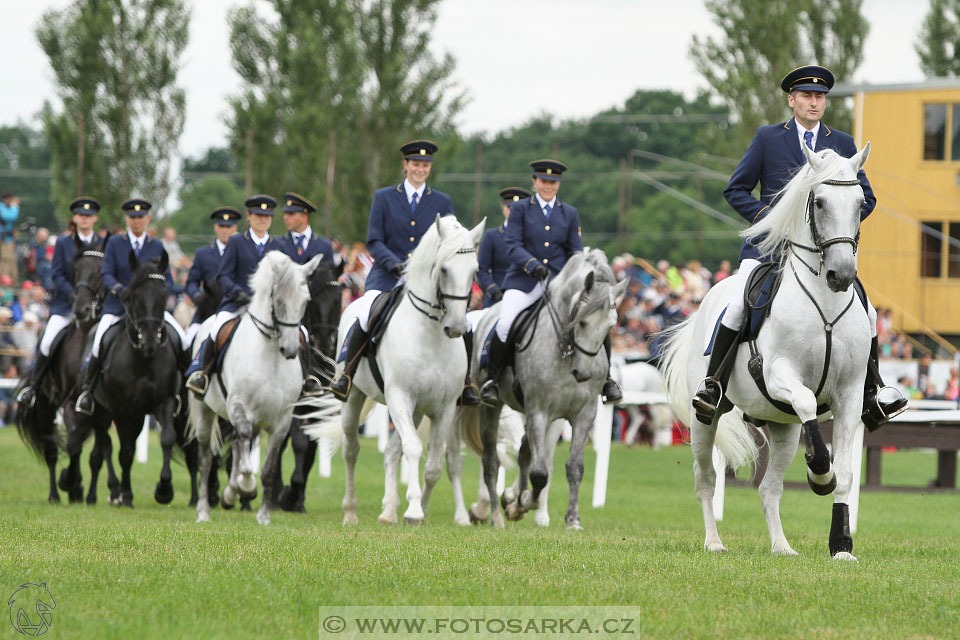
(723, 272)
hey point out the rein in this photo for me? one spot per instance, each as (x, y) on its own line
(819, 244)
(566, 336)
(438, 306)
(98, 293)
(131, 321)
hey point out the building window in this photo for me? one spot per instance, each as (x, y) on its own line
(934, 131)
(953, 251)
(931, 249)
(955, 132)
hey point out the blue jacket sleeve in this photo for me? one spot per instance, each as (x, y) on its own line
(515, 238)
(228, 265)
(869, 199)
(377, 236)
(326, 248)
(61, 283)
(485, 262)
(739, 191)
(194, 278)
(574, 239)
(110, 257)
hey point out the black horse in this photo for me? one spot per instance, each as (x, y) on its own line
(321, 320)
(57, 387)
(140, 373)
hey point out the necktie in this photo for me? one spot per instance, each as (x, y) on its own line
(808, 139)
(298, 240)
(413, 202)
(136, 248)
(546, 210)
(260, 249)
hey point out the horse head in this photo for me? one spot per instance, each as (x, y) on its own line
(88, 292)
(441, 270)
(586, 292)
(145, 300)
(323, 310)
(280, 296)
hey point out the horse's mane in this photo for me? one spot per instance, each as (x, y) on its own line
(142, 275)
(431, 252)
(275, 271)
(786, 218)
(568, 284)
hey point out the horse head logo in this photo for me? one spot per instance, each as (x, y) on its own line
(30, 609)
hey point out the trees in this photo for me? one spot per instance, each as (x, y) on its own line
(24, 161)
(115, 65)
(333, 87)
(938, 43)
(764, 40)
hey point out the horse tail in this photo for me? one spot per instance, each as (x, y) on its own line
(28, 427)
(673, 364)
(323, 422)
(469, 419)
(735, 440)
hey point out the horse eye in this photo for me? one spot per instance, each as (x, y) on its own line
(583, 324)
(819, 203)
(443, 270)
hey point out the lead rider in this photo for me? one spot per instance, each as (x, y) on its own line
(773, 157)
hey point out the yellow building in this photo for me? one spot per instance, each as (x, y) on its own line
(909, 256)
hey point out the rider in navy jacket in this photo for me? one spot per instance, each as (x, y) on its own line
(492, 258)
(206, 264)
(542, 234)
(772, 158)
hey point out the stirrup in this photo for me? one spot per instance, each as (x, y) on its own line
(311, 387)
(611, 391)
(874, 416)
(27, 396)
(337, 387)
(704, 403)
(198, 383)
(85, 404)
(469, 396)
(491, 397)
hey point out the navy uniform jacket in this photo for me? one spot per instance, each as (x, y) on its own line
(206, 266)
(533, 240)
(315, 246)
(62, 268)
(116, 272)
(240, 260)
(772, 159)
(393, 232)
(493, 262)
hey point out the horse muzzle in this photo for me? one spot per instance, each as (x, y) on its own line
(838, 281)
(454, 332)
(580, 376)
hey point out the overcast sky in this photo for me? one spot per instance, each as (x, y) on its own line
(516, 58)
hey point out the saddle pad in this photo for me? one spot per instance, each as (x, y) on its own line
(346, 340)
(524, 320)
(224, 338)
(762, 286)
(713, 336)
(381, 311)
(485, 349)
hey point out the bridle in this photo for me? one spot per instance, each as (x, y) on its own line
(437, 306)
(819, 244)
(566, 332)
(98, 293)
(270, 331)
(131, 321)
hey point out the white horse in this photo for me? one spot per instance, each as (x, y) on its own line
(262, 378)
(423, 363)
(643, 377)
(817, 215)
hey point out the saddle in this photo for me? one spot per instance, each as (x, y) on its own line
(381, 311)
(525, 323)
(224, 338)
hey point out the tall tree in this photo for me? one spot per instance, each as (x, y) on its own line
(761, 41)
(115, 65)
(24, 169)
(335, 86)
(938, 43)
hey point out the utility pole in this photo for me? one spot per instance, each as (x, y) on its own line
(621, 205)
(249, 177)
(81, 152)
(331, 169)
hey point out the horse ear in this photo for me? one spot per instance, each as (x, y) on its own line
(164, 261)
(311, 266)
(477, 232)
(133, 262)
(338, 269)
(812, 158)
(860, 158)
(588, 281)
(439, 226)
(620, 288)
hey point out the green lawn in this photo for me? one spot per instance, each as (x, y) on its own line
(151, 572)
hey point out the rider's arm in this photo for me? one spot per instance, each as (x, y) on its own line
(739, 192)
(194, 278)
(115, 246)
(58, 268)
(377, 236)
(485, 262)
(574, 238)
(228, 265)
(515, 238)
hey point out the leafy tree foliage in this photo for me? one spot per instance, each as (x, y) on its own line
(938, 43)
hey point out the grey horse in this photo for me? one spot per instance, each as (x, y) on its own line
(559, 369)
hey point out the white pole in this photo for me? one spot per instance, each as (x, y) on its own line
(602, 426)
(856, 465)
(720, 466)
(501, 480)
(378, 420)
(325, 455)
(255, 454)
(143, 440)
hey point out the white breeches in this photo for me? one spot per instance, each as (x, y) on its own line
(514, 301)
(733, 317)
(222, 318)
(363, 307)
(107, 320)
(55, 325)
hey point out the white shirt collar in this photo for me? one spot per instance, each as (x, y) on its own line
(801, 130)
(259, 240)
(305, 233)
(133, 238)
(543, 203)
(408, 188)
(86, 239)
(220, 246)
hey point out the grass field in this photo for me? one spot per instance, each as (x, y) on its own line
(151, 572)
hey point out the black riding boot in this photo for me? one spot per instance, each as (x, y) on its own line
(199, 379)
(469, 397)
(611, 390)
(355, 348)
(490, 393)
(877, 412)
(311, 383)
(708, 396)
(85, 403)
(28, 395)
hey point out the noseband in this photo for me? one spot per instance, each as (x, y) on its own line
(566, 337)
(819, 244)
(131, 321)
(270, 331)
(98, 293)
(437, 306)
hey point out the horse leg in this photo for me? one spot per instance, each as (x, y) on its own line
(433, 468)
(705, 478)
(280, 491)
(511, 495)
(581, 428)
(50, 457)
(163, 493)
(401, 409)
(128, 432)
(784, 439)
(480, 510)
(539, 473)
(205, 424)
(269, 472)
(542, 516)
(71, 478)
(391, 494)
(846, 422)
(96, 462)
(242, 463)
(304, 453)
(350, 422)
(190, 456)
(455, 473)
(489, 428)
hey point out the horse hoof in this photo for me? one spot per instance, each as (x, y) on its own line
(715, 547)
(115, 501)
(226, 506)
(497, 521)
(214, 500)
(91, 499)
(245, 505)
(203, 517)
(514, 511)
(386, 519)
(64, 482)
(574, 526)
(76, 495)
(541, 520)
(163, 494)
(193, 502)
(263, 517)
(350, 520)
(462, 519)
(475, 518)
(843, 555)
(785, 550)
(53, 498)
(415, 522)
(822, 485)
